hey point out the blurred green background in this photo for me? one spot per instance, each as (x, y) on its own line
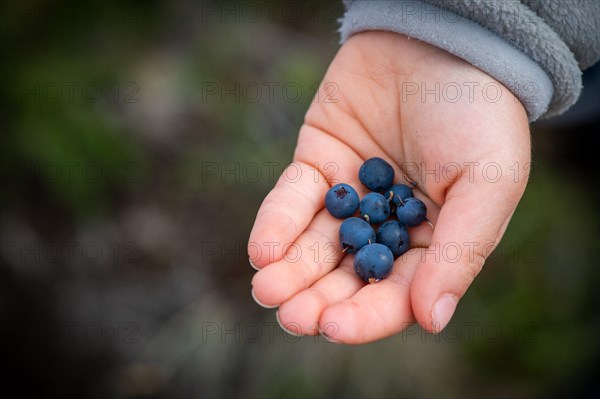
(131, 141)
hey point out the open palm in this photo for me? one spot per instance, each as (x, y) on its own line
(452, 129)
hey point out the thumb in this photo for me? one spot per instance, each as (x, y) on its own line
(470, 225)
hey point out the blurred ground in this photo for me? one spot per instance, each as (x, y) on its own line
(137, 145)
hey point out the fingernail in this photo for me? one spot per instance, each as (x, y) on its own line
(252, 264)
(295, 334)
(442, 312)
(260, 303)
(327, 336)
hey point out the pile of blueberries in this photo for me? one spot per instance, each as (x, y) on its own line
(375, 252)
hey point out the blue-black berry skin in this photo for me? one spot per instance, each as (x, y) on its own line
(341, 201)
(393, 235)
(373, 262)
(374, 208)
(354, 234)
(376, 174)
(412, 212)
(399, 192)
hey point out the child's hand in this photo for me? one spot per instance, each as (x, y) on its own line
(386, 107)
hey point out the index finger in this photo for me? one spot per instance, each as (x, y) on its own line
(321, 160)
(285, 213)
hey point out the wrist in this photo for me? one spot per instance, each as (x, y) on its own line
(461, 37)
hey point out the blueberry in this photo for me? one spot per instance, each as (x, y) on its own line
(373, 262)
(341, 201)
(398, 193)
(376, 174)
(374, 208)
(393, 235)
(411, 212)
(355, 233)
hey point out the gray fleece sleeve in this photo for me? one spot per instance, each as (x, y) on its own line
(536, 48)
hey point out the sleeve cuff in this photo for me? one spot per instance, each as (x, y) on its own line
(459, 36)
